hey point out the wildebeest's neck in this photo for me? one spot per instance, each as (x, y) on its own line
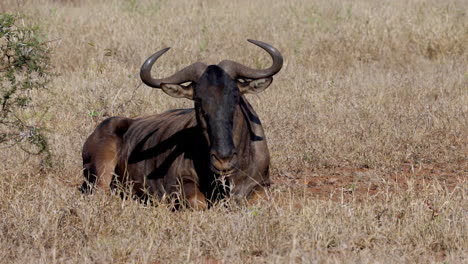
(250, 117)
(251, 145)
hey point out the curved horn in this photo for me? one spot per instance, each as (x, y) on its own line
(237, 70)
(189, 73)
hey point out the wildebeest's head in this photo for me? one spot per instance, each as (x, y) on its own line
(216, 90)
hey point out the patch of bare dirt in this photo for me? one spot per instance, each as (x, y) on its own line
(360, 183)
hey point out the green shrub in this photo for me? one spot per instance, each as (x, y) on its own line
(24, 67)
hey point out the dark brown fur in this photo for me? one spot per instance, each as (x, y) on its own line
(163, 155)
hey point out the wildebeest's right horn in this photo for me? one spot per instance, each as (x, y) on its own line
(189, 73)
(237, 70)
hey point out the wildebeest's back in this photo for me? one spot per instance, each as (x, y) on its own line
(159, 148)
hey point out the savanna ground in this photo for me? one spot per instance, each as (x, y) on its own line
(367, 125)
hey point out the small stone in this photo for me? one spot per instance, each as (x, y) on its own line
(3, 41)
(312, 184)
(10, 52)
(332, 181)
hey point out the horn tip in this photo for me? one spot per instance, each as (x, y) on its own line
(158, 53)
(258, 42)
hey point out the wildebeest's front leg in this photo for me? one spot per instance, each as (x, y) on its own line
(194, 198)
(191, 192)
(258, 194)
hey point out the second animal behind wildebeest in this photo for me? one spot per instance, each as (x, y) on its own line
(188, 153)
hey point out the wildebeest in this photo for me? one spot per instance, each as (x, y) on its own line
(198, 155)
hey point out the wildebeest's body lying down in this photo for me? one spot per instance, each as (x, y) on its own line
(216, 149)
(169, 150)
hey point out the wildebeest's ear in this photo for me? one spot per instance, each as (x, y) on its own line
(254, 86)
(178, 91)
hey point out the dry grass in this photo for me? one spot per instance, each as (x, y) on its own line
(372, 99)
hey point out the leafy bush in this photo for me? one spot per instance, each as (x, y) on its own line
(24, 67)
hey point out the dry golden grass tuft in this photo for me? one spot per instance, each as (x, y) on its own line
(367, 125)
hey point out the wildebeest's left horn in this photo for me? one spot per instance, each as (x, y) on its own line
(189, 73)
(237, 70)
